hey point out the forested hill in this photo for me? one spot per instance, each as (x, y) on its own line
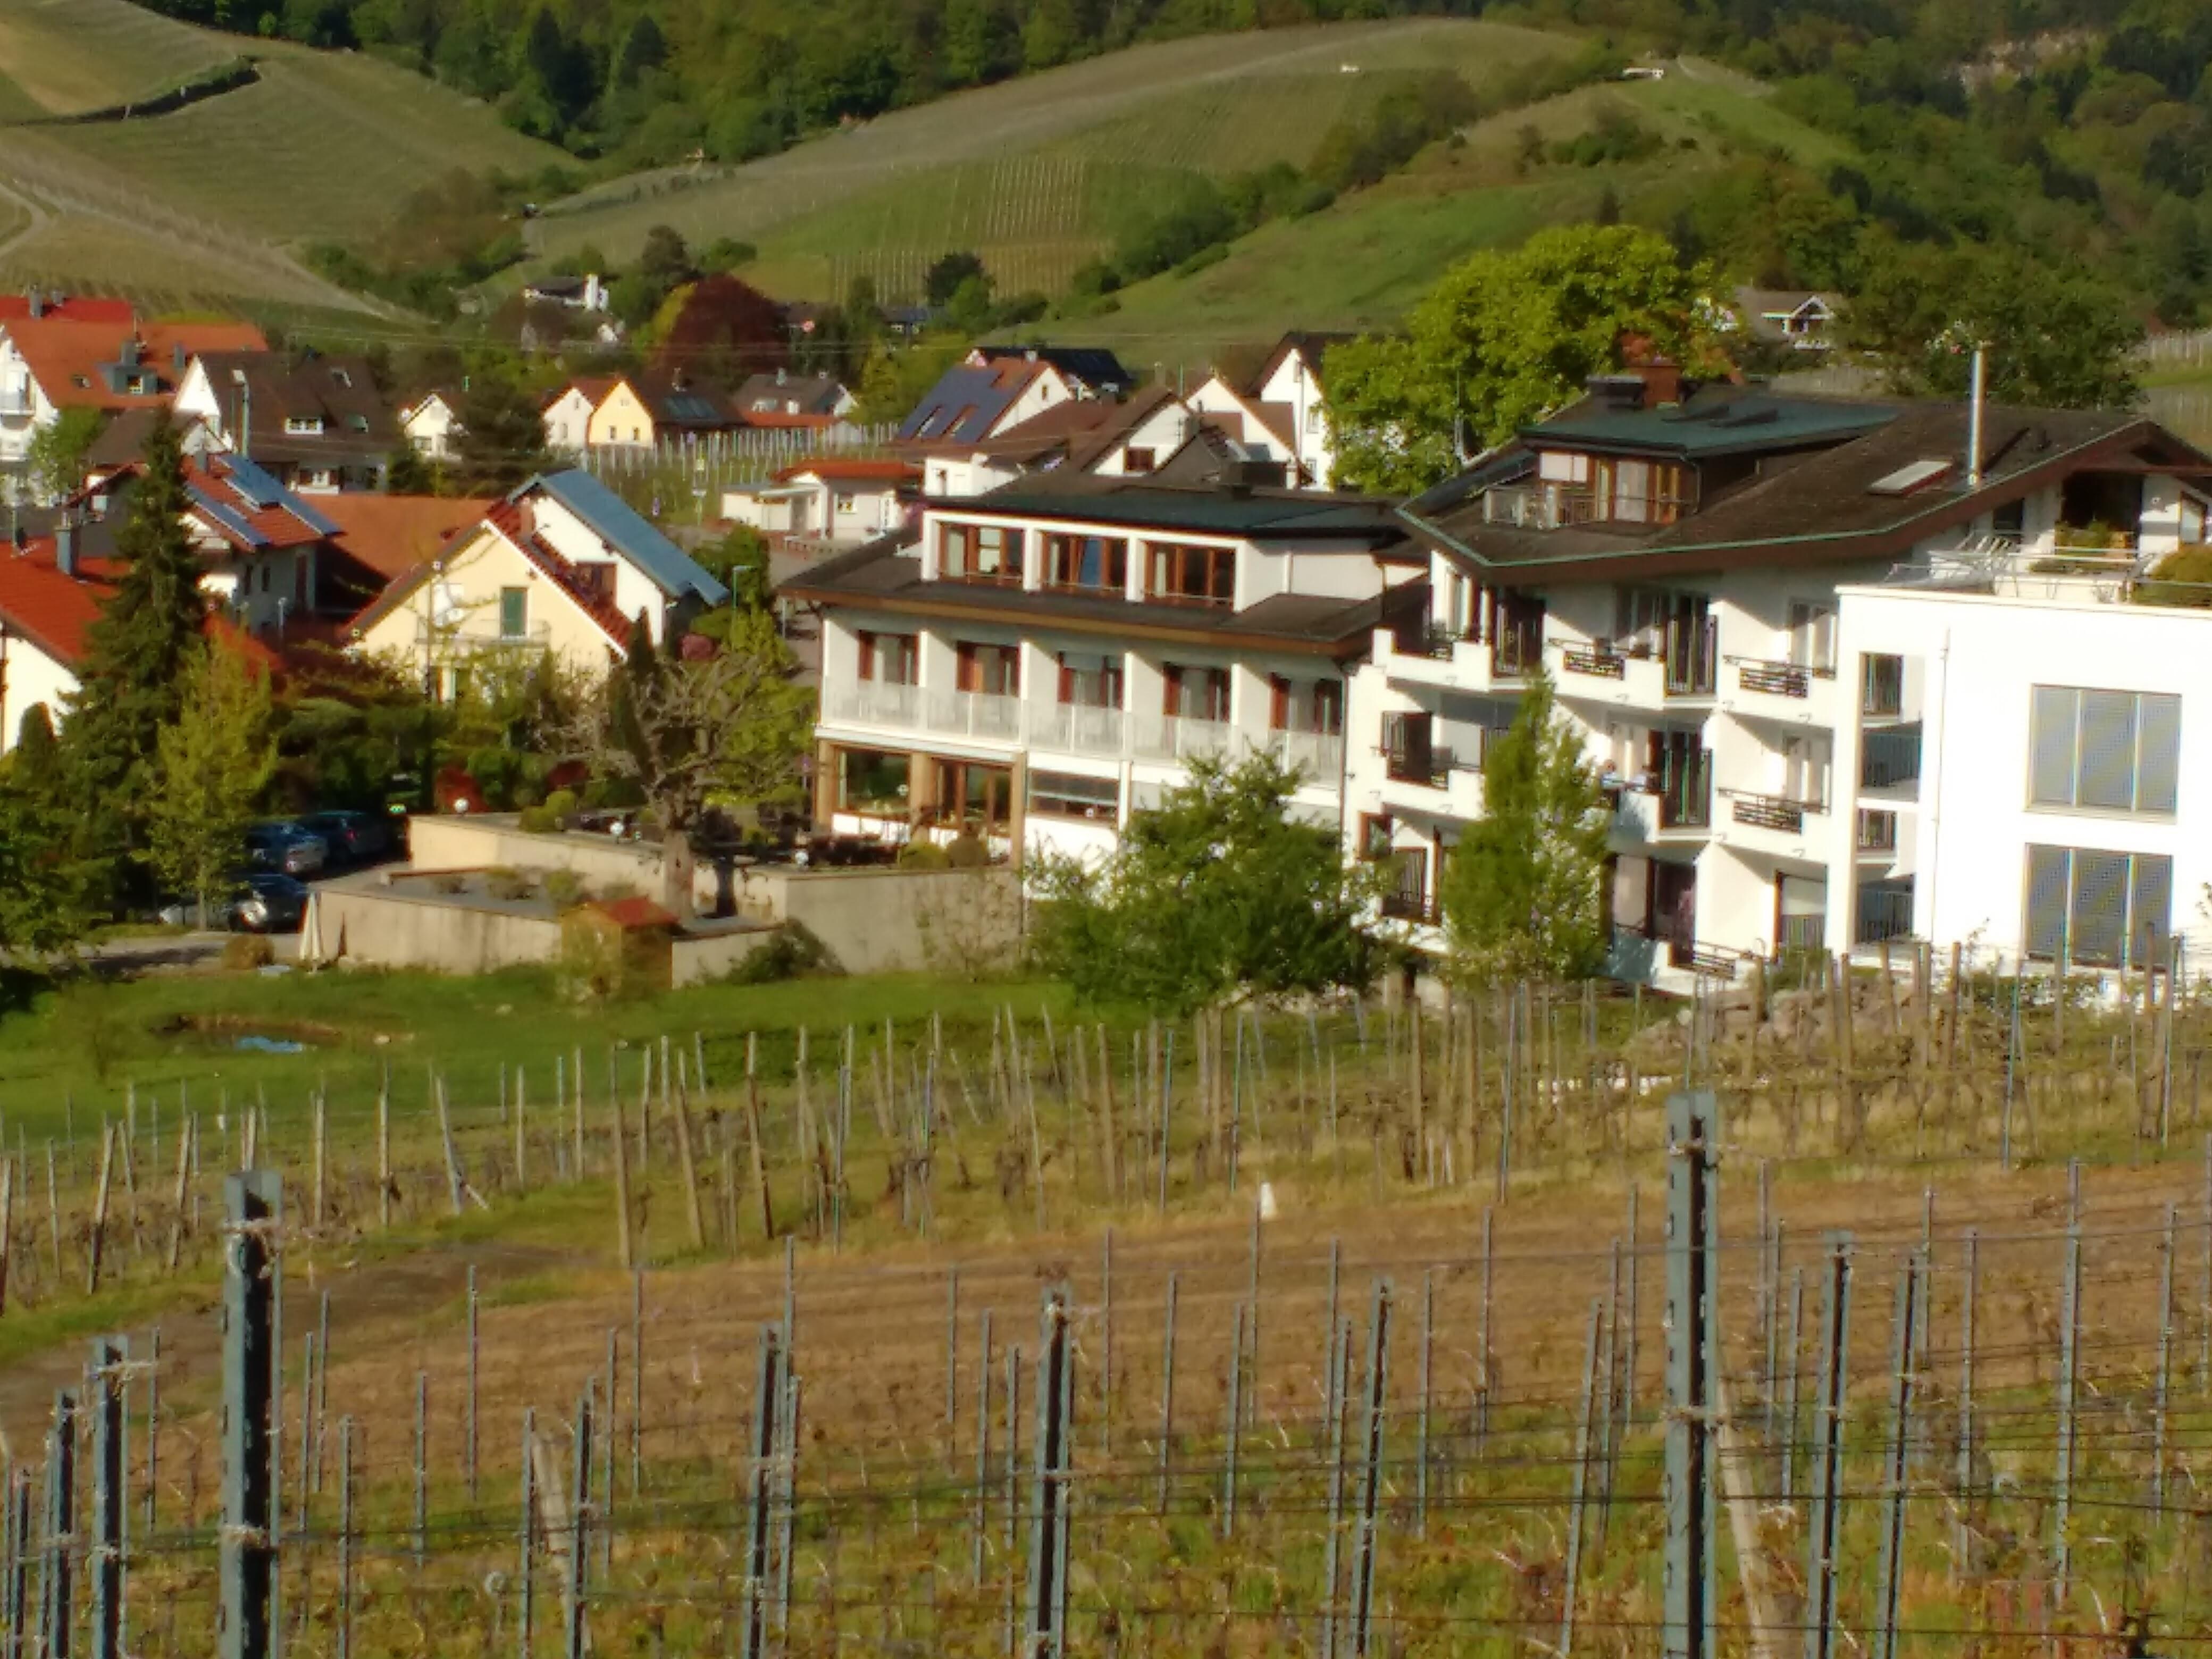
(648, 82)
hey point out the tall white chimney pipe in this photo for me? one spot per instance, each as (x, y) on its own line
(1974, 420)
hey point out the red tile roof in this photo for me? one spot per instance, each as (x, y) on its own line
(855, 469)
(393, 534)
(52, 610)
(279, 527)
(67, 354)
(511, 520)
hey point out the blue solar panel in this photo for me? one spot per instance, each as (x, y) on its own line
(251, 481)
(228, 517)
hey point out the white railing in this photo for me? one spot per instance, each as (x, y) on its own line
(1317, 754)
(1072, 728)
(1078, 729)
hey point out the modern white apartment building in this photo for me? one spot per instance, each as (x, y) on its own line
(1773, 619)
(1045, 658)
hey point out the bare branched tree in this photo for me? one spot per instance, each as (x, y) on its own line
(692, 732)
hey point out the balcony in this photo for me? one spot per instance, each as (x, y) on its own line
(1777, 813)
(872, 702)
(1778, 679)
(15, 401)
(1877, 831)
(1428, 652)
(1691, 656)
(1890, 759)
(1172, 736)
(1416, 907)
(452, 638)
(1318, 755)
(1598, 659)
(1070, 728)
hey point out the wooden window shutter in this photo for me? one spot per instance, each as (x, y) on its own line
(1279, 703)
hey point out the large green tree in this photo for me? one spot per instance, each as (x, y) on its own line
(132, 680)
(501, 442)
(215, 761)
(1523, 891)
(1503, 339)
(41, 885)
(1218, 892)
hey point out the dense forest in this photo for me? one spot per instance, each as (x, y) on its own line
(2061, 142)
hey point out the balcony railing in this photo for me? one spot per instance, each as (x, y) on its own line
(1599, 660)
(1770, 811)
(1884, 913)
(1079, 728)
(1890, 760)
(1804, 935)
(15, 401)
(452, 638)
(973, 714)
(874, 702)
(1524, 506)
(1425, 636)
(1418, 907)
(1318, 755)
(1877, 830)
(1171, 737)
(1779, 680)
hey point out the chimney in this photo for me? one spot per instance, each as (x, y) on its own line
(783, 375)
(130, 355)
(65, 548)
(1616, 392)
(21, 539)
(38, 303)
(177, 359)
(1663, 382)
(1974, 419)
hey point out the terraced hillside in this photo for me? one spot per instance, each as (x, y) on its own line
(209, 203)
(1362, 262)
(1038, 174)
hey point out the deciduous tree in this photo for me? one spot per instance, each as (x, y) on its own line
(1503, 340)
(215, 761)
(1522, 892)
(1216, 893)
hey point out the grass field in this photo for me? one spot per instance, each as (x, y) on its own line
(60, 56)
(1037, 174)
(1360, 263)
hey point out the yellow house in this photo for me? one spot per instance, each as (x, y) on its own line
(621, 418)
(562, 566)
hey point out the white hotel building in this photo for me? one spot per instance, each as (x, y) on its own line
(1846, 681)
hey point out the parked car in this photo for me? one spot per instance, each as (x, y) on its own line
(352, 837)
(265, 902)
(282, 846)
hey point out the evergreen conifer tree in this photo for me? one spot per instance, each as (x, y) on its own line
(139, 655)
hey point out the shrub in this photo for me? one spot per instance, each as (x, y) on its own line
(540, 820)
(923, 855)
(793, 953)
(509, 886)
(243, 951)
(451, 885)
(565, 888)
(2182, 577)
(969, 851)
(562, 803)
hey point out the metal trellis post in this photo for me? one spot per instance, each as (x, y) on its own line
(254, 1205)
(1371, 1480)
(1055, 1445)
(768, 1401)
(108, 1488)
(1895, 1459)
(1827, 1453)
(1693, 1362)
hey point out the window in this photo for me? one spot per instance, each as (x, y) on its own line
(514, 612)
(1096, 563)
(1813, 635)
(1407, 751)
(1314, 706)
(1089, 681)
(1134, 459)
(1070, 795)
(2098, 909)
(1375, 833)
(303, 425)
(996, 670)
(980, 553)
(893, 659)
(873, 782)
(1196, 694)
(1191, 576)
(1882, 685)
(847, 502)
(2104, 751)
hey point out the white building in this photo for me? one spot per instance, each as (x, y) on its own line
(1043, 660)
(1705, 574)
(1280, 414)
(834, 498)
(432, 424)
(568, 417)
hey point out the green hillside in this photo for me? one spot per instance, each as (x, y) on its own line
(1361, 262)
(209, 205)
(1038, 174)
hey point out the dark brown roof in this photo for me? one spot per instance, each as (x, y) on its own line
(339, 392)
(1816, 505)
(1078, 434)
(880, 576)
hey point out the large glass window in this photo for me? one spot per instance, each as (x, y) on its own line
(1096, 563)
(980, 553)
(1191, 576)
(873, 782)
(1196, 694)
(1314, 706)
(1070, 795)
(2098, 909)
(2110, 751)
(514, 611)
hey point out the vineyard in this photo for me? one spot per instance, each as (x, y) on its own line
(991, 168)
(63, 57)
(1334, 1330)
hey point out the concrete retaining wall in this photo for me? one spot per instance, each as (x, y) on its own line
(387, 928)
(447, 843)
(884, 919)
